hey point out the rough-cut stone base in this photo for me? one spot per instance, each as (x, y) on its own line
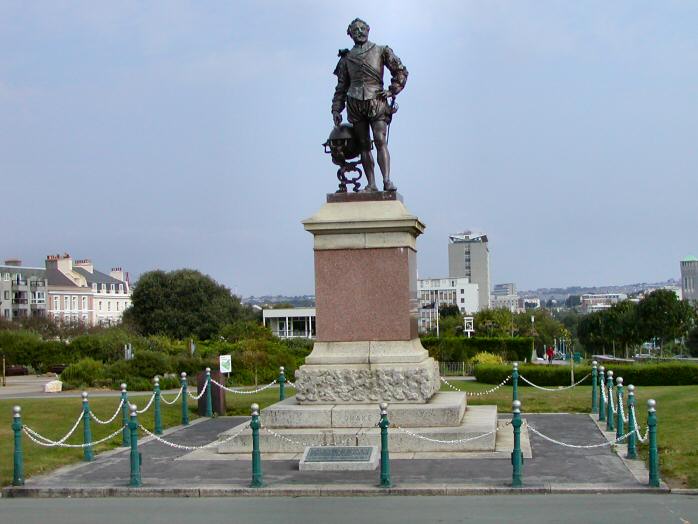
(477, 421)
(446, 408)
(367, 372)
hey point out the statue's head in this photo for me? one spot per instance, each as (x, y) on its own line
(358, 31)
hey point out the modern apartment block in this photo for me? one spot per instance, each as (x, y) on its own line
(592, 302)
(469, 257)
(689, 279)
(434, 293)
(23, 290)
(66, 290)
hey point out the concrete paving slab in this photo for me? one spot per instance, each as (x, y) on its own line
(551, 469)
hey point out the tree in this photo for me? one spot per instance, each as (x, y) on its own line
(692, 342)
(181, 304)
(662, 315)
(449, 310)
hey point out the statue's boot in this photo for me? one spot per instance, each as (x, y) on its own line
(370, 184)
(388, 185)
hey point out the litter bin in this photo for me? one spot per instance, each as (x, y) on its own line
(217, 394)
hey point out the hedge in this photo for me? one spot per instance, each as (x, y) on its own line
(460, 349)
(641, 374)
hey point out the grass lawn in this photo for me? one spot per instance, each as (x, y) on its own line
(53, 418)
(677, 410)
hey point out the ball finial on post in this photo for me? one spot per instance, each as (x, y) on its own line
(123, 387)
(619, 381)
(156, 381)
(183, 375)
(594, 363)
(16, 412)
(255, 409)
(384, 408)
(652, 405)
(84, 396)
(516, 406)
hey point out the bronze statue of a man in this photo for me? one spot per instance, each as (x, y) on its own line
(360, 88)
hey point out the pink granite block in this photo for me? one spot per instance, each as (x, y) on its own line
(366, 294)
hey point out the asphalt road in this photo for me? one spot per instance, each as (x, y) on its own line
(521, 509)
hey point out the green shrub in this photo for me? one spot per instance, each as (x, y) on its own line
(487, 358)
(147, 364)
(640, 374)
(83, 373)
(460, 349)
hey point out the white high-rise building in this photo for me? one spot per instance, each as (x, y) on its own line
(469, 257)
(689, 279)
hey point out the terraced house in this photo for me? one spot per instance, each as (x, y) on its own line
(65, 289)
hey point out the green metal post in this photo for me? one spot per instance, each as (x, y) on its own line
(610, 426)
(125, 434)
(654, 453)
(209, 404)
(602, 388)
(282, 383)
(18, 475)
(87, 453)
(385, 455)
(515, 381)
(594, 387)
(620, 428)
(135, 456)
(516, 455)
(156, 401)
(185, 407)
(632, 424)
(257, 480)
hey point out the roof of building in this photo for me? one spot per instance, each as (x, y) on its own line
(56, 278)
(690, 258)
(468, 236)
(25, 271)
(96, 277)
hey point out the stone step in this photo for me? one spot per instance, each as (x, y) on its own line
(477, 420)
(443, 409)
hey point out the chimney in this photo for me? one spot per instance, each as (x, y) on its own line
(85, 264)
(117, 273)
(62, 263)
(14, 262)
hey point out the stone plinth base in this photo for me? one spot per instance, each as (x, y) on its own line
(444, 409)
(477, 420)
(372, 372)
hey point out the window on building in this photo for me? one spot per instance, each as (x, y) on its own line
(108, 305)
(117, 305)
(7, 276)
(94, 287)
(66, 302)
(84, 302)
(7, 313)
(462, 301)
(7, 295)
(121, 288)
(111, 287)
(100, 305)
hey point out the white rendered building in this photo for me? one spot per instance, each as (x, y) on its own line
(433, 293)
(290, 322)
(79, 293)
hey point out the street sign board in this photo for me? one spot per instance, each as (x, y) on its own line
(226, 363)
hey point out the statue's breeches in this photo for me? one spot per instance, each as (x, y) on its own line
(371, 110)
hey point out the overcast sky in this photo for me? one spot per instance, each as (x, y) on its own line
(188, 134)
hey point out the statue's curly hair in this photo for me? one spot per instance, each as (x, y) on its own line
(356, 21)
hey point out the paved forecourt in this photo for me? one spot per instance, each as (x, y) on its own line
(171, 471)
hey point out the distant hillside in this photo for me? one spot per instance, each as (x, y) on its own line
(269, 300)
(562, 293)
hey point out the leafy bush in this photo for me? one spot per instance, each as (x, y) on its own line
(83, 373)
(460, 349)
(640, 374)
(487, 358)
